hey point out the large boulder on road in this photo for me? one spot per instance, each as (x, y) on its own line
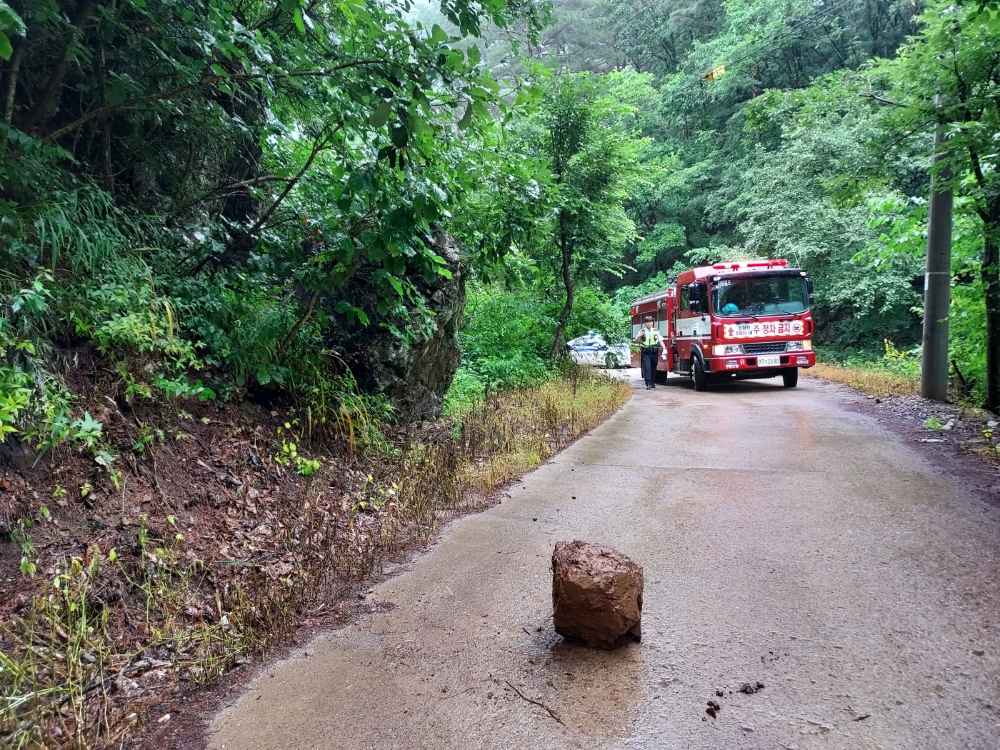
(596, 593)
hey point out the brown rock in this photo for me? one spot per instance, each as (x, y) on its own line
(596, 593)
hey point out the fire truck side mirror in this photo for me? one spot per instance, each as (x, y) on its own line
(809, 284)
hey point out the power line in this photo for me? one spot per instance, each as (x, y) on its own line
(764, 46)
(601, 41)
(797, 26)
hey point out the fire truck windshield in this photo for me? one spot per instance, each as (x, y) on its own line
(760, 295)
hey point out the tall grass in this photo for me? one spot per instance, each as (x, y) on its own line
(114, 630)
(79, 229)
(500, 436)
(869, 380)
(895, 373)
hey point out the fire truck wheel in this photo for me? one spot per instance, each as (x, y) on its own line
(790, 376)
(700, 377)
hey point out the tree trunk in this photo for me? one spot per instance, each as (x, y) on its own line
(567, 256)
(298, 326)
(48, 102)
(15, 70)
(991, 282)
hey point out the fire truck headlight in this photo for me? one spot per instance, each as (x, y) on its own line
(796, 346)
(723, 350)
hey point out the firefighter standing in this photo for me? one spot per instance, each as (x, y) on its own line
(652, 344)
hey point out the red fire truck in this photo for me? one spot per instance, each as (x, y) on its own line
(733, 320)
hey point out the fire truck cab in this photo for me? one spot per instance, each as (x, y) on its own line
(732, 320)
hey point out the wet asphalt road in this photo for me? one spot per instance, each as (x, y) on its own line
(784, 539)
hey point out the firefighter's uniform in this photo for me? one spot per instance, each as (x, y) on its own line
(650, 340)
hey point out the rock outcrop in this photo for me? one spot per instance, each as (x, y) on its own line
(416, 376)
(596, 593)
(414, 371)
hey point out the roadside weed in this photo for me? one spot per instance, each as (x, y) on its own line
(22, 539)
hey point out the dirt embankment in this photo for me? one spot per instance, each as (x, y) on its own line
(218, 532)
(180, 563)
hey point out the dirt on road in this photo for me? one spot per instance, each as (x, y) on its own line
(809, 583)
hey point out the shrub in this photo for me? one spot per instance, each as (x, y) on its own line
(507, 335)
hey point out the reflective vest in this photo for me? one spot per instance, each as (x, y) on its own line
(650, 337)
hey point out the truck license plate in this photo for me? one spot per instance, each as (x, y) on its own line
(768, 361)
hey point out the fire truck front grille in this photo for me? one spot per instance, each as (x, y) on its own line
(772, 347)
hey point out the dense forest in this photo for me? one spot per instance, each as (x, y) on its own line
(797, 130)
(264, 196)
(803, 130)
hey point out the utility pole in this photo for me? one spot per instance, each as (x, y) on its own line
(937, 281)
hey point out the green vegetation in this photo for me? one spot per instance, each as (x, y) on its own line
(223, 218)
(507, 335)
(228, 193)
(812, 144)
(895, 373)
(240, 197)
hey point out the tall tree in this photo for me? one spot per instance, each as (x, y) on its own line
(957, 57)
(592, 159)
